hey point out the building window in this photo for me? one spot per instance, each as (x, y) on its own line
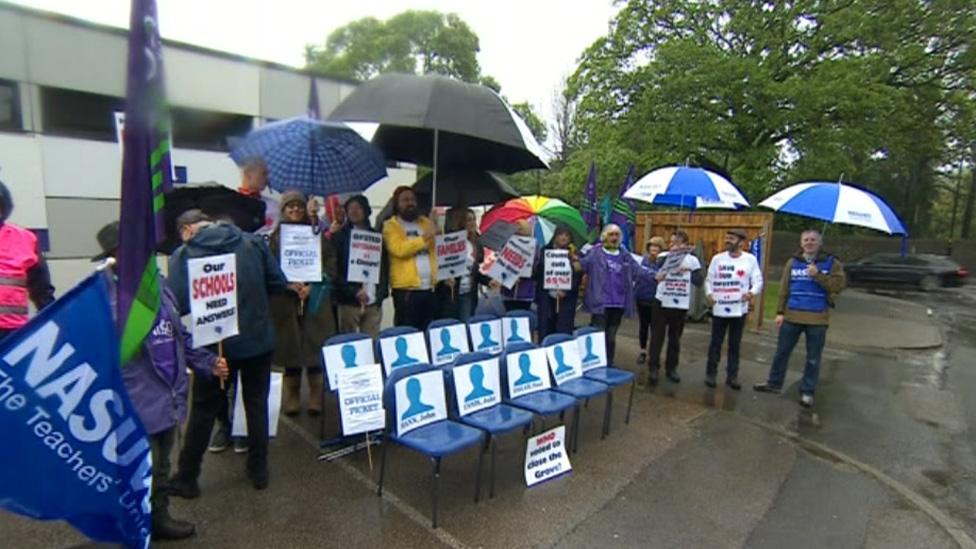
(207, 130)
(10, 118)
(80, 114)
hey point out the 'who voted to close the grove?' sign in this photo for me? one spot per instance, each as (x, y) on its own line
(301, 253)
(365, 254)
(213, 298)
(546, 457)
(452, 255)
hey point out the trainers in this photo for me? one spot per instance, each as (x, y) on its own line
(220, 440)
(182, 488)
(766, 388)
(642, 358)
(710, 380)
(806, 401)
(733, 383)
(240, 446)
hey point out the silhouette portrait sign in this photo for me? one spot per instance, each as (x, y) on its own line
(213, 298)
(592, 350)
(346, 355)
(516, 330)
(477, 385)
(564, 361)
(420, 401)
(403, 350)
(448, 342)
(527, 372)
(361, 399)
(365, 254)
(486, 336)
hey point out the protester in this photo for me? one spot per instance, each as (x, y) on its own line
(559, 319)
(644, 292)
(303, 318)
(611, 273)
(23, 272)
(360, 304)
(157, 383)
(458, 297)
(254, 180)
(249, 353)
(811, 281)
(409, 239)
(681, 270)
(737, 274)
(523, 293)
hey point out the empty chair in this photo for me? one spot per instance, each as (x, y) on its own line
(416, 417)
(401, 346)
(590, 341)
(525, 382)
(567, 371)
(486, 334)
(513, 326)
(475, 398)
(343, 351)
(448, 338)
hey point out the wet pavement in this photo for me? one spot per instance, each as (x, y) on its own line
(887, 458)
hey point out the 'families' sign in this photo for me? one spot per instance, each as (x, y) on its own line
(558, 273)
(213, 298)
(527, 372)
(301, 253)
(452, 255)
(447, 342)
(342, 356)
(403, 350)
(477, 385)
(365, 255)
(564, 361)
(486, 336)
(420, 401)
(546, 457)
(361, 399)
(514, 261)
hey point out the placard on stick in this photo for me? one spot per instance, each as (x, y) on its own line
(213, 298)
(301, 253)
(558, 271)
(452, 255)
(365, 255)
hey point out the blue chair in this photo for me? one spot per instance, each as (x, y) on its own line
(580, 388)
(462, 346)
(542, 403)
(495, 420)
(525, 313)
(435, 440)
(334, 340)
(614, 377)
(477, 319)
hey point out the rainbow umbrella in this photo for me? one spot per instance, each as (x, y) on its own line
(543, 212)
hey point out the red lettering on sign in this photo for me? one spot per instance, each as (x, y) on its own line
(213, 285)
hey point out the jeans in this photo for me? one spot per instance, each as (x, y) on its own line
(413, 308)
(719, 326)
(161, 446)
(355, 319)
(644, 314)
(671, 322)
(207, 398)
(609, 322)
(789, 335)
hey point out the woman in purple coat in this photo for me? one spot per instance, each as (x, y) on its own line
(611, 273)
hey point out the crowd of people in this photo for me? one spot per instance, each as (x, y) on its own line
(283, 324)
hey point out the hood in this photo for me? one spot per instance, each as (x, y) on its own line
(218, 238)
(6, 202)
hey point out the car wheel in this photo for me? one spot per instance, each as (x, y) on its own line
(930, 282)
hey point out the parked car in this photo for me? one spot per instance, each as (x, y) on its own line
(926, 271)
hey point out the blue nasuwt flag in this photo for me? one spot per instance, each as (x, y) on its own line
(76, 450)
(755, 248)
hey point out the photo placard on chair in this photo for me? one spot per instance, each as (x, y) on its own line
(527, 372)
(447, 342)
(420, 401)
(516, 330)
(593, 350)
(403, 350)
(486, 336)
(477, 385)
(346, 355)
(564, 361)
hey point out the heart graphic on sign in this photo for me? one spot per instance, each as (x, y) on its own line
(504, 275)
(741, 273)
(728, 309)
(365, 273)
(674, 299)
(218, 329)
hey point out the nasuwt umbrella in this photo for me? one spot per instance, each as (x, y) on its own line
(215, 200)
(687, 187)
(547, 213)
(836, 202)
(317, 158)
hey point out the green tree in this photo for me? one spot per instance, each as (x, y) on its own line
(536, 125)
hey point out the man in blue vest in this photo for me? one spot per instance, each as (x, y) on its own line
(811, 279)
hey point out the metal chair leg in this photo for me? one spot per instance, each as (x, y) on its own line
(433, 489)
(606, 415)
(630, 403)
(477, 478)
(491, 486)
(576, 429)
(322, 419)
(386, 442)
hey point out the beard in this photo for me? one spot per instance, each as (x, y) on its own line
(731, 247)
(409, 213)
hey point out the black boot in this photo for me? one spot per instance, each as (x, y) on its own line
(710, 380)
(653, 377)
(166, 527)
(182, 488)
(732, 382)
(673, 375)
(259, 477)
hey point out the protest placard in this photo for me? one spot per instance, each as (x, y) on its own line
(349, 354)
(564, 361)
(486, 336)
(403, 350)
(361, 399)
(478, 385)
(420, 401)
(452, 255)
(592, 350)
(365, 255)
(546, 457)
(447, 342)
(557, 270)
(527, 372)
(213, 298)
(514, 259)
(301, 253)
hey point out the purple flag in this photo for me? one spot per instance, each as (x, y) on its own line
(313, 100)
(588, 209)
(622, 211)
(145, 179)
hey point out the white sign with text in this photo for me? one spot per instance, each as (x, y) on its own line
(213, 298)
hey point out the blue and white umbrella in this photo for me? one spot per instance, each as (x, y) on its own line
(319, 158)
(836, 202)
(687, 187)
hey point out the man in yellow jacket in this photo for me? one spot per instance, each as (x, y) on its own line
(409, 239)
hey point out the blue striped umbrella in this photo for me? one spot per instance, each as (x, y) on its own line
(687, 187)
(319, 158)
(836, 202)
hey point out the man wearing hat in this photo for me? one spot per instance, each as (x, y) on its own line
(734, 278)
(157, 383)
(23, 272)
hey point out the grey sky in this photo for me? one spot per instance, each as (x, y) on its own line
(528, 45)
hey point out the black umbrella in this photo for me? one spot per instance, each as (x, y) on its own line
(215, 200)
(441, 122)
(458, 188)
